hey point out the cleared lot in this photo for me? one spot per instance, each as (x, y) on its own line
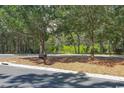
(22, 77)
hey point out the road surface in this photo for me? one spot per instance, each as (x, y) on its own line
(15, 77)
(62, 55)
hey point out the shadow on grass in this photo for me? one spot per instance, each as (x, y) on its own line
(57, 80)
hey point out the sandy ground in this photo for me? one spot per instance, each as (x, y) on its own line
(109, 66)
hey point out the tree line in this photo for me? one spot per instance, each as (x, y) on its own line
(54, 29)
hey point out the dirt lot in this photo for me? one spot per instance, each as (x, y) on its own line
(109, 66)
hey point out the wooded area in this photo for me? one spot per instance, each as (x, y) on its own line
(62, 29)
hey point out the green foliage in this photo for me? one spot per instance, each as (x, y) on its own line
(96, 48)
(68, 49)
(62, 29)
(71, 50)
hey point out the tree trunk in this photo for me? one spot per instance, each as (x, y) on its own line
(92, 49)
(73, 43)
(42, 53)
(101, 46)
(57, 44)
(42, 46)
(109, 47)
(78, 37)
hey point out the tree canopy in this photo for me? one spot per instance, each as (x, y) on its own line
(62, 29)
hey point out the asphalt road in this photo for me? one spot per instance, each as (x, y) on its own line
(15, 77)
(6, 55)
(62, 55)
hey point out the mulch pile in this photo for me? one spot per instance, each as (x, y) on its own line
(105, 61)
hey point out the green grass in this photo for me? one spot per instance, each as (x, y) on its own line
(71, 49)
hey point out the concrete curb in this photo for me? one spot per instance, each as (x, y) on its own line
(117, 78)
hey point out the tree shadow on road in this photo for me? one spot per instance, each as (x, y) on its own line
(2, 76)
(57, 80)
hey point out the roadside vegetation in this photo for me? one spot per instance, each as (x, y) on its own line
(61, 30)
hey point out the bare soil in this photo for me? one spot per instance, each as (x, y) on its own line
(101, 65)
